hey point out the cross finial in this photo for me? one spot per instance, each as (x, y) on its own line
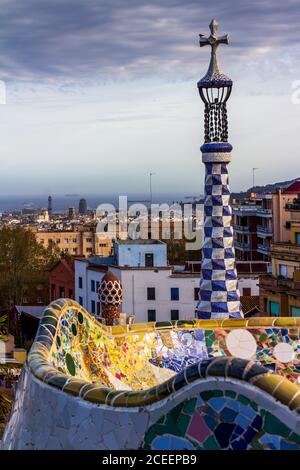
(213, 40)
(214, 26)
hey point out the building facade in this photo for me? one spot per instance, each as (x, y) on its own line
(62, 280)
(151, 293)
(264, 219)
(76, 243)
(280, 290)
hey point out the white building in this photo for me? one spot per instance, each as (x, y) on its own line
(156, 292)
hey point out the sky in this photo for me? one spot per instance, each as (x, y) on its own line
(99, 93)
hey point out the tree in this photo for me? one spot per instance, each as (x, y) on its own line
(23, 264)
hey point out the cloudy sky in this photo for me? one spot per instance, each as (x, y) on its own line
(101, 92)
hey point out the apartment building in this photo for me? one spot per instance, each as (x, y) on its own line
(264, 219)
(152, 290)
(76, 243)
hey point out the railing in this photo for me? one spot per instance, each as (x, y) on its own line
(264, 230)
(245, 210)
(292, 206)
(266, 212)
(270, 281)
(263, 248)
(242, 245)
(241, 228)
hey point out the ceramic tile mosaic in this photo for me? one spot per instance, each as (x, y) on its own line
(82, 348)
(218, 420)
(143, 375)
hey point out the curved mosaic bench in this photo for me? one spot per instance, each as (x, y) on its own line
(156, 385)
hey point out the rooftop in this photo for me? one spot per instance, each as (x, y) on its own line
(139, 242)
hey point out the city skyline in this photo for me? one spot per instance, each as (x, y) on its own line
(99, 97)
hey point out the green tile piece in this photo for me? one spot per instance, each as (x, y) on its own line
(189, 406)
(182, 424)
(217, 393)
(206, 395)
(211, 444)
(243, 400)
(151, 434)
(274, 426)
(230, 393)
(295, 437)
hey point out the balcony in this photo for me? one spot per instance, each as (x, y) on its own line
(245, 210)
(287, 251)
(241, 228)
(264, 212)
(264, 249)
(264, 232)
(242, 246)
(279, 284)
(293, 206)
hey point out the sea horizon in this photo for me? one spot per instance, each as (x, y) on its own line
(61, 202)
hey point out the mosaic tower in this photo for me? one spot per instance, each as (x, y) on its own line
(219, 296)
(110, 296)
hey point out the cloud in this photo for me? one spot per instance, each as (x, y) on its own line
(120, 40)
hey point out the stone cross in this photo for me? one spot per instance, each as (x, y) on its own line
(213, 40)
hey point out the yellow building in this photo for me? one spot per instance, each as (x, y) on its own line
(76, 243)
(279, 291)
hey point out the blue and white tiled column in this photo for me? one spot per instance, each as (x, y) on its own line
(219, 296)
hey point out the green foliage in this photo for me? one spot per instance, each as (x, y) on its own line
(5, 407)
(177, 252)
(23, 264)
(3, 327)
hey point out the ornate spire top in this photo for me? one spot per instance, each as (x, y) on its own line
(214, 77)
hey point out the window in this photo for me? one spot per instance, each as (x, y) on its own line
(149, 260)
(42, 241)
(196, 293)
(89, 250)
(66, 250)
(61, 292)
(265, 305)
(70, 293)
(74, 250)
(98, 309)
(53, 292)
(97, 286)
(58, 241)
(93, 284)
(39, 300)
(174, 315)
(66, 240)
(74, 240)
(102, 245)
(150, 293)
(274, 308)
(93, 307)
(246, 291)
(25, 300)
(283, 272)
(80, 300)
(295, 311)
(88, 240)
(80, 282)
(151, 315)
(174, 293)
(298, 238)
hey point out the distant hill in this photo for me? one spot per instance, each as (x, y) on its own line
(268, 188)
